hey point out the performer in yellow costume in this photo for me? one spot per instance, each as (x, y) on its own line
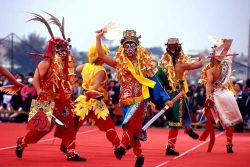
(91, 105)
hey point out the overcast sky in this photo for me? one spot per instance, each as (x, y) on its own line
(155, 20)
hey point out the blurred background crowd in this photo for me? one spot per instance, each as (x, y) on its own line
(15, 108)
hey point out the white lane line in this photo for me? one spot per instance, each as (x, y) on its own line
(79, 133)
(162, 164)
(191, 149)
(88, 131)
(6, 148)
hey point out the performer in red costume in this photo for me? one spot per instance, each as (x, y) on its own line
(220, 103)
(133, 64)
(53, 80)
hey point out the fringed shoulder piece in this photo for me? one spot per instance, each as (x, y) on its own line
(144, 58)
(203, 79)
(168, 67)
(183, 58)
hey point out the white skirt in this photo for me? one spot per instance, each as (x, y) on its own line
(227, 108)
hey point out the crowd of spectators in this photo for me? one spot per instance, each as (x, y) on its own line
(15, 108)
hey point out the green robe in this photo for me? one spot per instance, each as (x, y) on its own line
(174, 114)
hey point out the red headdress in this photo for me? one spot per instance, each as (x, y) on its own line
(58, 45)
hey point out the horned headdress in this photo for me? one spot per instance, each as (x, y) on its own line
(55, 44)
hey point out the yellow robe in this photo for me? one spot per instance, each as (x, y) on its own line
(83, 107)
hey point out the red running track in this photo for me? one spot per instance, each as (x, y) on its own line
(92, 144)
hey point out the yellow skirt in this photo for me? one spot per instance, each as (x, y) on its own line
(83, 107)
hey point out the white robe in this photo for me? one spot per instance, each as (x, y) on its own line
(226, 108)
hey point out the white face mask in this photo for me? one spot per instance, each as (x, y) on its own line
(30, 80)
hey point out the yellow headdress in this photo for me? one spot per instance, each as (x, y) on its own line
(92, 53)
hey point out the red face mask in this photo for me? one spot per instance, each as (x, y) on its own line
(58, 45)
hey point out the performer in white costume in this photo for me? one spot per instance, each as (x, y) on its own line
(220, 101)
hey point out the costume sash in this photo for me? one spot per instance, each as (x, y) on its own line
(141, 79)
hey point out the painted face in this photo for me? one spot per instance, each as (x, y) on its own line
(130, 49)
(59, 46)
(62, 48)
(172, 47)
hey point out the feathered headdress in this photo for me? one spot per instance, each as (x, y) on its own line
(54, 44)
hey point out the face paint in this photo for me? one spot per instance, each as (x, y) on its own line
(130, 48)
(62, 48)
(172, 48)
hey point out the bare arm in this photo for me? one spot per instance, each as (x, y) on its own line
(43, 67)
(79, 68)
(192, 66)
(108, 60)
(7, 74)
(100, 78)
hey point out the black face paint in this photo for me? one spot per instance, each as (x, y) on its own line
(173, 50)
